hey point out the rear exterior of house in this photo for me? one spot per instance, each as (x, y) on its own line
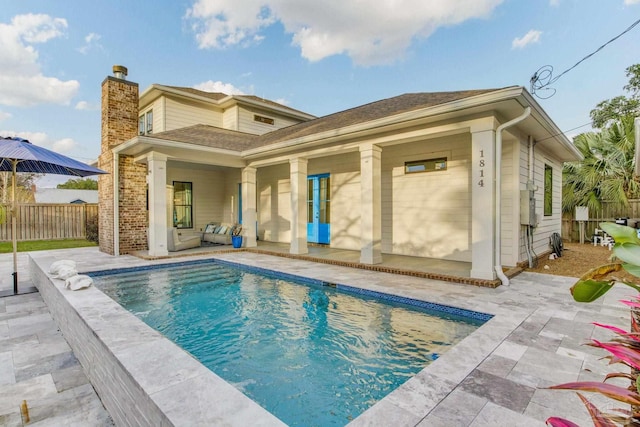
(411, 175)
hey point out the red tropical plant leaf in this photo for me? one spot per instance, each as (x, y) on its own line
(560, 422)
(614, 392)
(611, 328)
(598, 418)
(622, 352)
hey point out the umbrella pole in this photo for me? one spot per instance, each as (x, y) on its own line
(14, 237)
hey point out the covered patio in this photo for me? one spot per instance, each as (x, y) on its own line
(428, 268)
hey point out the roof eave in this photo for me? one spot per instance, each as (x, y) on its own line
(477, 100)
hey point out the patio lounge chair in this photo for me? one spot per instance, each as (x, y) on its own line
(175, 242)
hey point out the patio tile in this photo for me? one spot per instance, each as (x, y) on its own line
(510, 350)
(537, 362)
(45, 365)
(500, 391)
(497, 365)
(493, 415)
(7, 376)
(458, 409)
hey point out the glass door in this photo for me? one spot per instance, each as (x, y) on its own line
(319, 208)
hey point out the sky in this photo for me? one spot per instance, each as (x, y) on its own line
(320, 57)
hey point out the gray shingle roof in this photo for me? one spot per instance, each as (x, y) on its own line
(364, 113)
(216, 137)
(210, 136)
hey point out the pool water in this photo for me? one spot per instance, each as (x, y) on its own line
(312, 355)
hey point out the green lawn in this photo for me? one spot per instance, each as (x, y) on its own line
(43, 245)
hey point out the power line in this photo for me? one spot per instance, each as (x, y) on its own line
(563, 132)
(542, 78)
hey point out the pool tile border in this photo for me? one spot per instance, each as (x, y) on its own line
(426, 305)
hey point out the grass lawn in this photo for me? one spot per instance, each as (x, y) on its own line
(43, 245)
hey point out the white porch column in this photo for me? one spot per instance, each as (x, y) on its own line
(370, 205)
(298, 172)
(249, 206)
(157, 180)
(483, 136)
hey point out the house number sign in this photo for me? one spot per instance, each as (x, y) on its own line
(481, 163)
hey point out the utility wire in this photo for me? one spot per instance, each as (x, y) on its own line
(542, 78)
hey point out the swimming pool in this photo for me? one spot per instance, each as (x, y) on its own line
(309, 353)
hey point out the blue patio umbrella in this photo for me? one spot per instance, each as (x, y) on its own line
(19, 155)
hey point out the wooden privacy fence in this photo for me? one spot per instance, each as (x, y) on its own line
(608, 213)
(49, 221)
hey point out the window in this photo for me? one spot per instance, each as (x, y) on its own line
(548, 190)
(182, 205)
(263, 119)
(429, 165)
(145, 123)
(150, 121)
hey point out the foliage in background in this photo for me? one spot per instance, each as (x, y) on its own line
(624, 349)
(80, 184)
(611, 110)
(92, 229)
(607, 171)
(44, 245)
(24, 187)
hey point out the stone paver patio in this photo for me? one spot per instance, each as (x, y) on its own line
(534, 341)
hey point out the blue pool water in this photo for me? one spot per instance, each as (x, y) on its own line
(312, 355)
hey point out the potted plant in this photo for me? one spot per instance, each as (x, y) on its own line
(236, 237)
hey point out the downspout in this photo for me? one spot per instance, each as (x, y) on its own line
(116, 205)
(498, 168)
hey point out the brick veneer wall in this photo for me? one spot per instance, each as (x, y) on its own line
(119, 124)
(133, 205)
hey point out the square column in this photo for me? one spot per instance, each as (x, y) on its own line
(249, 217)
(298, 172)
(483, 202)
(157, 181)
(370, 204)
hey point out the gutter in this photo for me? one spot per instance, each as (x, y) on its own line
(497, 242)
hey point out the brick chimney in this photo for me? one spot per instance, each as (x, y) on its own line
(120, 124)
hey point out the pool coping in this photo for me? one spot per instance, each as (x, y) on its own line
(141, 375)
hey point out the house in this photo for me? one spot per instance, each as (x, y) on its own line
(472, 176)
(63, 195)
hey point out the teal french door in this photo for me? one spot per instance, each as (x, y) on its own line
(318, 208)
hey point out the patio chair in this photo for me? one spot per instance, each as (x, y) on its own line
(175, 242)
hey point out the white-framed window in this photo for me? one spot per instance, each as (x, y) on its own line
(428, 165)
(145, 123)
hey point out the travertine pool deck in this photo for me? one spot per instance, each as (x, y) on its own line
(491, 378)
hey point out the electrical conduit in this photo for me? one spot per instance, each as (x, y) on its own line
(497, 243)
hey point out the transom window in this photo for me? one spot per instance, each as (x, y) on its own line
(428, 165)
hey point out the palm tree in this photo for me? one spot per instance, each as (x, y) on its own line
(607, 171)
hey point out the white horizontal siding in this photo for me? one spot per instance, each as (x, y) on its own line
(427, 214)
(246, 122)
(209, 193)
(274, 203)
(181, 113)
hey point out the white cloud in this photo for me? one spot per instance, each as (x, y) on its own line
(281, 101)
(37, 138)
(42, 139)
(63, 145)
(218, 86)
(533, 36)
(4, 116)
(554, 2)
(21, 80)
(84, 105)
(91, 41)
(369, 31)
(630, 2)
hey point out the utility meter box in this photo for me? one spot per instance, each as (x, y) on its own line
(528, 208)
(582, 213)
